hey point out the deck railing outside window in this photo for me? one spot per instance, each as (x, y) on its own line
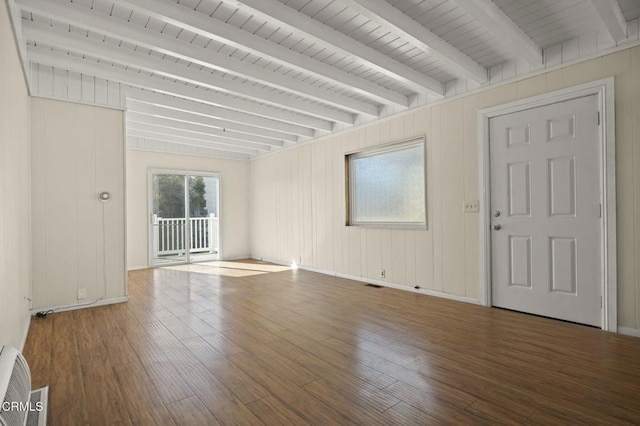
(170, 235)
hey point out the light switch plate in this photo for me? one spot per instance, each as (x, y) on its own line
(471, 206)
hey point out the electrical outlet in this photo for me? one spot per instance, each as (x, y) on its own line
(82, 293)
(383, 274)
(471, 206)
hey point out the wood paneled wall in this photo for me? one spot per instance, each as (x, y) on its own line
(77, 241)
(15, 191)
(299, 197)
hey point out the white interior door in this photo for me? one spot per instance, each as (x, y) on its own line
(546, 211)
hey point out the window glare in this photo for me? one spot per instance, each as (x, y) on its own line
(388, 187)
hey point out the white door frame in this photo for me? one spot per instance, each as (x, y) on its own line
(604, 89)
(150, 172)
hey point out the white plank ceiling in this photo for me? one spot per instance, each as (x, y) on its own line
(242, 78)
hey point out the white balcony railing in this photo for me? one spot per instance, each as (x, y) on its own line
(169, 235)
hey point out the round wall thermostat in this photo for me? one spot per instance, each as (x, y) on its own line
(104, 196)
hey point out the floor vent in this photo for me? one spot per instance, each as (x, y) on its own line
(38, 417)
(373, 285)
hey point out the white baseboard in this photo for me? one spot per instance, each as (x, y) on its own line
(137, 268)
(228, 259)
(25, 333)
(269, 260)
(635, 332)
(406, 287)
(231, 258)
(63, 308)
(403, 287)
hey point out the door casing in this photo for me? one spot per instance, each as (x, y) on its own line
(604, 89)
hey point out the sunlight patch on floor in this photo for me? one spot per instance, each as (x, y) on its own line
(229, 269)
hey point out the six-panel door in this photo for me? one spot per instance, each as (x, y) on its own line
(545, 207)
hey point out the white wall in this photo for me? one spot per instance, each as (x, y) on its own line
(234, 201)
(15, 191)
(298, 195)
(78, 241)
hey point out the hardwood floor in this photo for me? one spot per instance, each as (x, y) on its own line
(248, 343)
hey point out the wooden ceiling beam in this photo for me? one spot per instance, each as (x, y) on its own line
(504, 29)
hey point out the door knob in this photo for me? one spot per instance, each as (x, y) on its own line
(496, 213)
(497, 227)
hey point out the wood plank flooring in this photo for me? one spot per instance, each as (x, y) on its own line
(248, 343)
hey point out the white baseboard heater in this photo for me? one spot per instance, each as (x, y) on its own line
(19, 405)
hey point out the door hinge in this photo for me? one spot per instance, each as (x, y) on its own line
(598, 118)
(600, 210)
(600, 302)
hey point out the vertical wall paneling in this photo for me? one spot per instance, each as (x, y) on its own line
(110, 174)
(74, 86)
(339, 209)
(15, 191)
(436, 200)
(447, 253)
(77, 152)
(88, 89)
(634, 111)
(445, 257)
(588, 44)
(113, 94)
(331, 202)
(452, 192)
(90, 269)
(294, 216)
(45, 80)
(59, 83)
(307, 257)
(424, 240)
(101, 92)
(470, 168)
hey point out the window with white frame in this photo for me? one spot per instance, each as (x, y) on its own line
(386, 186)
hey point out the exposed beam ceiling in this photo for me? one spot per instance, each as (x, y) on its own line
(242, 78)
(276, 138)
(387, 15)
(291, 19)
(206, 110)
(183, 17)
(183, 134)
(191, 75)
(498, 23)
(182, 50)
(133, 78)
(161, 134)
(611, 16)
(235, 138)
(149, 143)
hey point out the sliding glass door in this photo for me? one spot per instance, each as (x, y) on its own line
(184, 219)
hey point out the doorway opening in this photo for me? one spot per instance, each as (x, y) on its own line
(184, 224)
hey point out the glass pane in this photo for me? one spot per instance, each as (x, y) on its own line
(169, 219)
(389, 187)
(203, 213)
